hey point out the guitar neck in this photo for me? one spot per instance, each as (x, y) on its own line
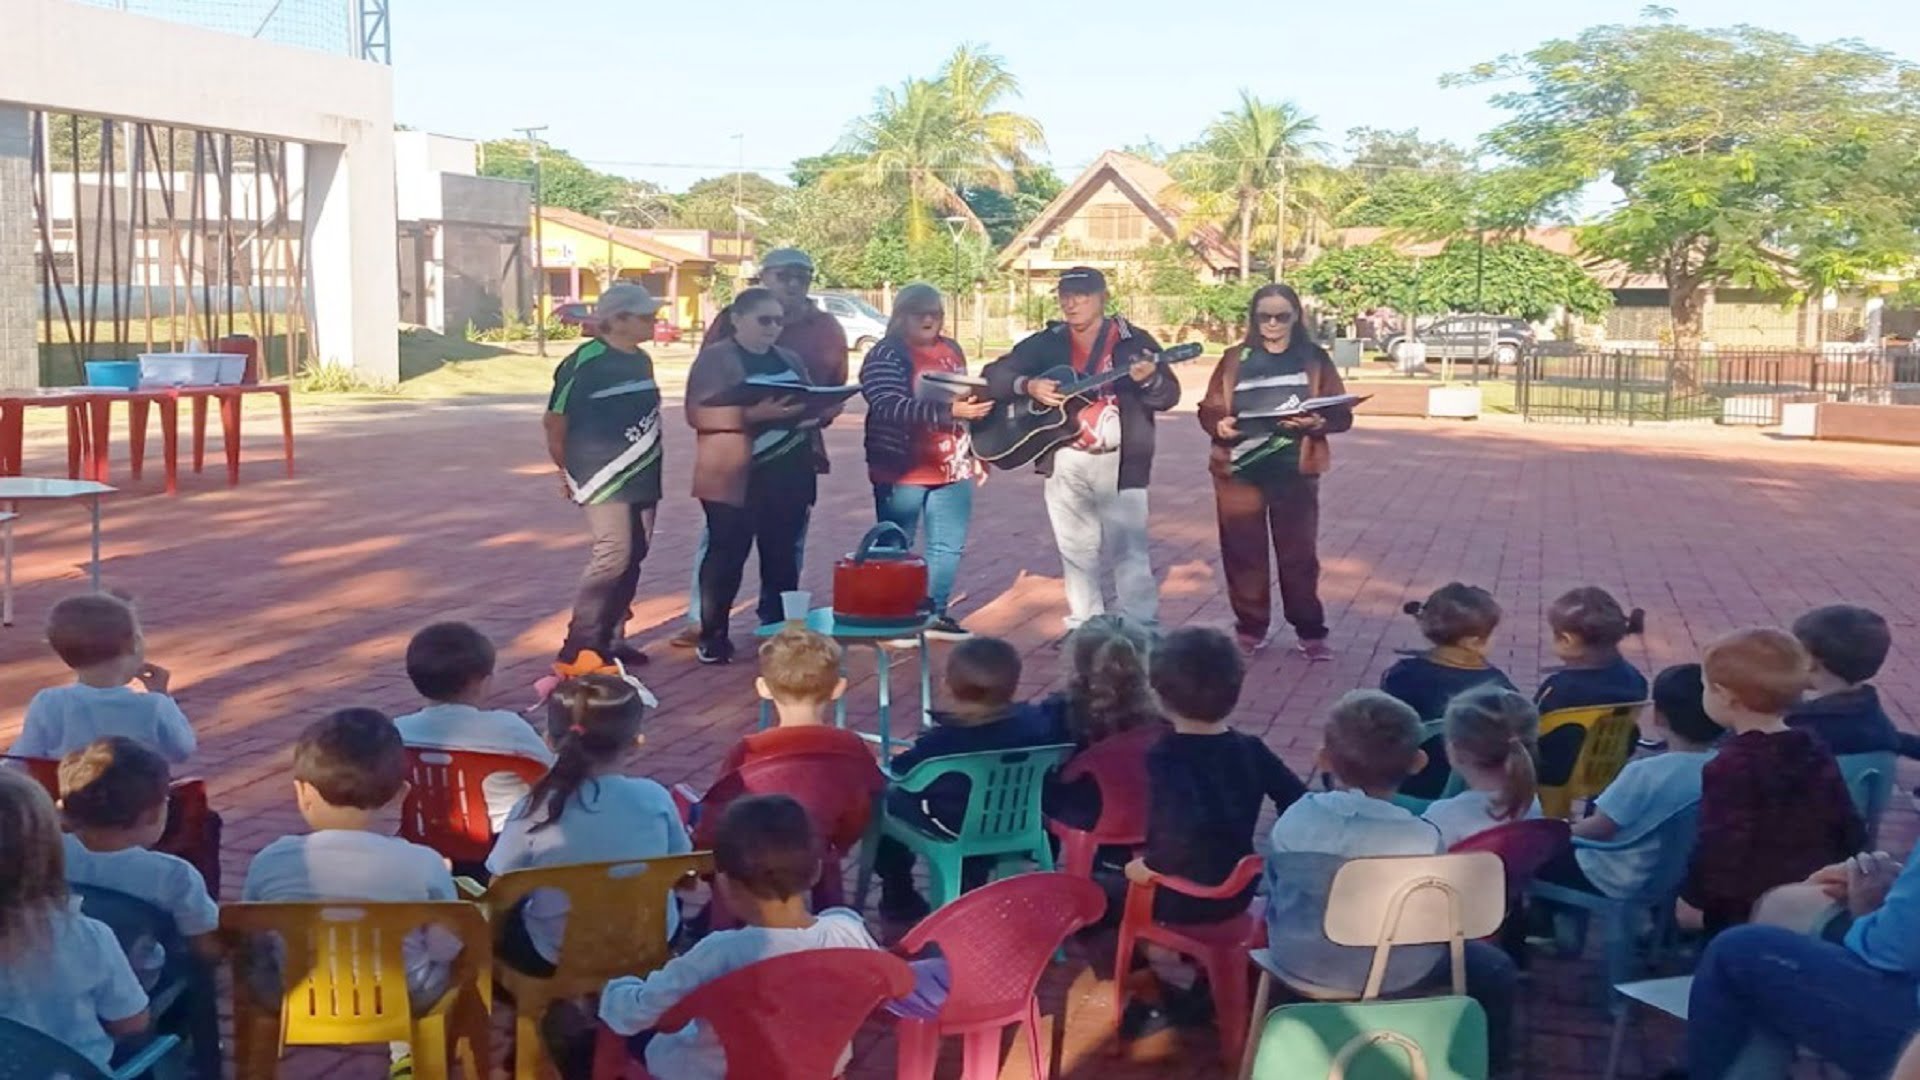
(1177, 354)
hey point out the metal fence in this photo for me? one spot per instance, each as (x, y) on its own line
(1724, 386)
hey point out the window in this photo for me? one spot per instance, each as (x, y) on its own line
(1115, 224)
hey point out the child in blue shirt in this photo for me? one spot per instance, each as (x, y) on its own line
(1588, 625)
(1459, 621)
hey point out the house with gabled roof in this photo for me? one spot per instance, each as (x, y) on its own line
(1119, 206)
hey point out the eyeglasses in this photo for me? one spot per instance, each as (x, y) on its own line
(1280, 318)
(791, 275)
(769, 320)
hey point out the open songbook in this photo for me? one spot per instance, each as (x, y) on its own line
(1301, 408)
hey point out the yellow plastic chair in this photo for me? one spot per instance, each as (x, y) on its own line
(616, 925)
(346, 982)
(1582, 750)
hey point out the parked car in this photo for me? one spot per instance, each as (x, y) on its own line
(863, 323)
(1498, 338)
(580, 313)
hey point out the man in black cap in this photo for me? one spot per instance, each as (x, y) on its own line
(1096, 487)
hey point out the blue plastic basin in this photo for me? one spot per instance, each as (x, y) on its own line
(119, 374)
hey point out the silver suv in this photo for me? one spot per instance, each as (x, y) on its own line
(863, 323)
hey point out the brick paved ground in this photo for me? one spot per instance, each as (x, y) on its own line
(283, 599)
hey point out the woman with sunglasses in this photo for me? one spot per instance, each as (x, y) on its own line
(754, 467)
(1266, 479)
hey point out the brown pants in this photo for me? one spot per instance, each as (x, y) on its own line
(1289, 516)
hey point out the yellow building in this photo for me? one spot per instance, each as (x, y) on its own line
(582, 255)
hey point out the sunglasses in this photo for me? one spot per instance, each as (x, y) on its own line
(769, 320)
(1280, 318)
(790, 275)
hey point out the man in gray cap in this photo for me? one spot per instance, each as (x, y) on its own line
(814, 335)
(603, 432)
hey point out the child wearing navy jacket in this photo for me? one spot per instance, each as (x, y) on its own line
(1848, 644)
(1588, 625)
(1459, 621)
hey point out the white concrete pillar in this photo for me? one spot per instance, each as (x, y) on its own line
(19, 270)
(353, 282)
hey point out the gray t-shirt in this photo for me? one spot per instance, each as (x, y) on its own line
(1647, 792)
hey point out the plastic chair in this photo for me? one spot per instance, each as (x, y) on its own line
(784, 1018)
(1869, 780)
(838, 792)
(446, 807)
(1118, 766)
(345, 982)
(30, 1054)
(193, 829)
(616, 925)
(183, 1000)
(994, 944)
(1221, 948)
(1675, 838)
(1003, 818)
(1437, 1038)
(44, 770)
(1523, 846)
(1582, 750)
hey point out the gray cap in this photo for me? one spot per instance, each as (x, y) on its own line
(784, 257)
(625, 300)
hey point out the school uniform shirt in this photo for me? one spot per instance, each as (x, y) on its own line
(610, 819)
(781, 455)
(62, 719)
(445, 725)
(1469, 814)
(630, 1005)
(1428, 685)
(1616, 683)
(70, 984)
(1266, 455)
(1310, 842)
(1204, 794)
(613, 447)
(1645, 793)
(1849, 721)
(168, 882)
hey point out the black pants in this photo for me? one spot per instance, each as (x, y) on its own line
(622, 533)
(1287, 517)
(772, 520)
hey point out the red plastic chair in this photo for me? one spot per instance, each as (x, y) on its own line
(193, 829)
(1221, 948)
(994, 943)
(1523, 846)
(837, 791)
(1118, 766)
(786, 1018)
(44, 770)
(446, 807)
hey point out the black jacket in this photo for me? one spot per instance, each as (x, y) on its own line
(1052, 348)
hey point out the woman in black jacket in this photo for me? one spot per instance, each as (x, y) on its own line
(918, 454)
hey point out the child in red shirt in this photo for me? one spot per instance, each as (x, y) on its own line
(800, 675)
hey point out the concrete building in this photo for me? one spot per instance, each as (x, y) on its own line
(464, 253)
(59, 56)
(582, 256)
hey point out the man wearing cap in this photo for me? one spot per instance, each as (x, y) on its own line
(603, 432)
(1096, 488)
(815, 336)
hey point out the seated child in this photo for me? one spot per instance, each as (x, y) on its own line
(982, 678)
(1490, 734)
(1588, 626)
(98, 636)
(1107, 694)
(1848, 644)
(1646, 793)
(767, 859)
(583, 811)
(1773, 807)
(800, 675)
(61, 973)
(113, 795)
(1371, 745)
(451, 665)
(1459, 620)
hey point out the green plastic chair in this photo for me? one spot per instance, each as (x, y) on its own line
(1003, 819)
(29, 1054)
(1869, 780)
(1438, 1038)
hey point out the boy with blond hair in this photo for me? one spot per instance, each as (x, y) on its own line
(800, 678)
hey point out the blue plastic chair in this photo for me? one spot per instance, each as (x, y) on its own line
(1674, 838)
(29, 1054)
(1869, 780)
(184, 1001)
(1439, 1038)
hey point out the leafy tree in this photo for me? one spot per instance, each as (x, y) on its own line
(1379, 153)
(1746, 157)
(564, 180)
(1005, 214)
(1241, 161)
(709, 203)
(811, 170)
(1352, 280)
(834, 224)
(1512, 277)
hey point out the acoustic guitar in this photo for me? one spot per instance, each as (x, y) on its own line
(1017, 432)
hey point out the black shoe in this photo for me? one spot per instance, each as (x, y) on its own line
(1192, 1007)
(718, 651)
(1142, 1020)
(944, 628)
(903, 906)
(628, 654)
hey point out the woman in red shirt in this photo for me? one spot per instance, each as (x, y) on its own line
(919, 456)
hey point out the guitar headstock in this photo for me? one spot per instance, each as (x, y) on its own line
(1182, 352)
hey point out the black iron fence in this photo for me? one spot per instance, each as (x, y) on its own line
(1746, 386)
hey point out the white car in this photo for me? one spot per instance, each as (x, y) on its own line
(863, 323)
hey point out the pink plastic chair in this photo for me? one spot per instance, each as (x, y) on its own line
(446, 807)
(785, 1018)
(837, 790)
(994, 943)
(1118, 766)
(1523, 846)
(1221, 948)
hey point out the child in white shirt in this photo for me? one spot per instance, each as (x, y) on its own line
(113, 795)
(61, 973)
(1490, 734)
(583, 811)
(451, 665)
(767, 858)
(98, 636)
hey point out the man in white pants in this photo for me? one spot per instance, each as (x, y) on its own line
(1096, 487)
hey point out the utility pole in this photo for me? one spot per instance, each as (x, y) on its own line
(532, 135)
(739, 209)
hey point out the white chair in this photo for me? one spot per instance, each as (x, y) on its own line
(1666, 995)
(1380, 903)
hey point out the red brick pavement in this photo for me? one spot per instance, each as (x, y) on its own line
(283, 599)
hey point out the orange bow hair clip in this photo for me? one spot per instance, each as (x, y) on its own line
(590, 662)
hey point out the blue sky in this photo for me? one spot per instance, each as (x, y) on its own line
(657, 90)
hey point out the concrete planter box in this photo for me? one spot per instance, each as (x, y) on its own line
(1454, 402)
(1853, 422)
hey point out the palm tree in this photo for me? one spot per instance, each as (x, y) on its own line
(1242, 160)
(934, 138)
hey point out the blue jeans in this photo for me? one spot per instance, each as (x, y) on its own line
(948, 510)
(1768, 984)
(700, 556)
